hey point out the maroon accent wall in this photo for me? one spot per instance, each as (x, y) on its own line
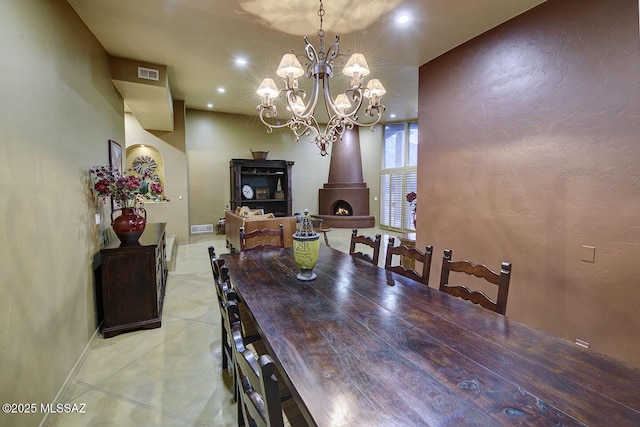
(529, 151)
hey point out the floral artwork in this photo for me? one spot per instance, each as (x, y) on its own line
(115, 155)
(123, 188)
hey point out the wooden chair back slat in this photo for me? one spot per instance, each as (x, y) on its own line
(502, 279)
(276, 236)
(372, 243)
(404, 251)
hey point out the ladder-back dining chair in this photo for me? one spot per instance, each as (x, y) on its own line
(481, 271)
(227, 296)
(372, 243)
(265, 239)
(405, 252)
(221, 286)
(263, 398)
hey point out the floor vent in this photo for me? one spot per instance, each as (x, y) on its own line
(202, 228)
(148, 74)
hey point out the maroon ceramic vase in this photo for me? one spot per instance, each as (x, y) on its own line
(129, 225)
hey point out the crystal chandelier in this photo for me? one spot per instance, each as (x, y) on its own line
(342, 111)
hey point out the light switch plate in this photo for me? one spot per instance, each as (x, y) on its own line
(582, 343)
(97, 219)
(588, 253)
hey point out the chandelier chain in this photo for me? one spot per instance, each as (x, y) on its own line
(320, 30)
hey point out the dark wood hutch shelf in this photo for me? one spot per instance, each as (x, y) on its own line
(262, 176)
(133, 282)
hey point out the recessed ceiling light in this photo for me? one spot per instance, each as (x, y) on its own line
(221, 90)
(241, 62)
(402, 18)
(209, 105)
(392, 116)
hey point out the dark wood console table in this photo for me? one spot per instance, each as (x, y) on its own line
(133, 282)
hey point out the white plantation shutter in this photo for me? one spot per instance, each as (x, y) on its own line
(399, 175)
(391, 200)
(410, 184)
(385, 199)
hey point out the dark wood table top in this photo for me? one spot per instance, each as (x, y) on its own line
(360, 346)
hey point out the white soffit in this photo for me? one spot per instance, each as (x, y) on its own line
(149, 100)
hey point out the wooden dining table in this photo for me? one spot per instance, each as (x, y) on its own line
(360, 346)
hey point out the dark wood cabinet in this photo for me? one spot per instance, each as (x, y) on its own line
(269, 182)
(133, 282)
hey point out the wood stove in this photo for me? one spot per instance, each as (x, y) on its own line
(343, 202)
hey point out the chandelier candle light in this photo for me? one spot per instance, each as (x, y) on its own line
(342, 112)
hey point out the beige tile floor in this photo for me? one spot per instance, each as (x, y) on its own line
(170, 376)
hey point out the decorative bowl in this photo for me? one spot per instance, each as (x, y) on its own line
(259, 154)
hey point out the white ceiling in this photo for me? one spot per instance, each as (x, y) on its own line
(198, 40)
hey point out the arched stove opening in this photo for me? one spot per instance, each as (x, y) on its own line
(342, 208)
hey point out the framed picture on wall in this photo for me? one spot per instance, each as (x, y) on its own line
(116, 161)
(115, 156)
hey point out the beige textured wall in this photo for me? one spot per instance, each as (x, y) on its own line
(371, 152)
(529, 149)
(58, 108)
(172, 147)
(214, 138)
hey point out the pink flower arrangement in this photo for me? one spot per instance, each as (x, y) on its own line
(155, 188)
(123, 188)
(412, 198)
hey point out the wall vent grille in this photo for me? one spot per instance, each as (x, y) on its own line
(202, 228)
(148, 74)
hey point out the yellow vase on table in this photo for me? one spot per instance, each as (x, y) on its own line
(306, 247)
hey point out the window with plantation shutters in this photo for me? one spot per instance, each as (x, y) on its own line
(410, 184)
(391, 200)
(399, 175)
